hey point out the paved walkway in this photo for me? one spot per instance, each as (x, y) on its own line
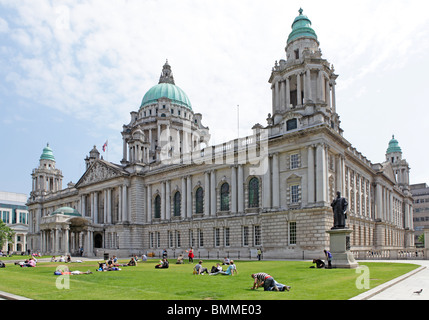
(403, 287)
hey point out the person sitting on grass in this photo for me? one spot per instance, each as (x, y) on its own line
(179, 259)
(268, 282)
(132, 262)
(216, 269)
(199, 269)
(228, 272)
(164, 264)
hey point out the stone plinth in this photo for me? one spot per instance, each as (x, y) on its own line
(339, 240)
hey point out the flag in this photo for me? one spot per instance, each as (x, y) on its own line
(105, 146)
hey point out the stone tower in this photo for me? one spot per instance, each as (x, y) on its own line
(303, 85)
(46, 178)
(400, 166)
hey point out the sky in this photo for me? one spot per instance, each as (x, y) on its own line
(72, 71)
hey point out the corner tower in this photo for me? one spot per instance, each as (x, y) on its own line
(46, 178)
(303, 85)
(400, 166)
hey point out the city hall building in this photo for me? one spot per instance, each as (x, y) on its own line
(271, 190)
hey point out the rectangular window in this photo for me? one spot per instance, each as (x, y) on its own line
(217, 237)
(150, 237)
(226, 236)
(245, 235)
(294, 194)
(257, 235)
(191, 238)
(158, 239)
(292, 232)
(291, 124)
(200, 238)
(294, 161)
(178, 242)
(170, 239)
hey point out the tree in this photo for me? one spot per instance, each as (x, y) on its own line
(421, 239)
(6, 234)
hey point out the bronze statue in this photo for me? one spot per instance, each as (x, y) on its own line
(339, 206)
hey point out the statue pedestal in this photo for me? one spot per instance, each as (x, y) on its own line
(340, 248)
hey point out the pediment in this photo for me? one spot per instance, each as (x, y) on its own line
(387, 169)
(100, 171)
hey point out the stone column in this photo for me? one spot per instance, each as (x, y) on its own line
(240, 189)
(321, 173)
(95, 208)
(163, 200)
(334, 106)
(125, 203)
(266, 183)
(183, 198)
(213, 193)
(276, 181)
(233, 189)
(188, 197)
(277, 96)
(109, 205)
(310, 175)
(66, 240)
(206, 193)
(287, 93)
(298, 90)
(124, 149)
(167, 200)
(282, 96)
(56, 241)
(149, 204)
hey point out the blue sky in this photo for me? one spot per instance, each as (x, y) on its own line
(72, 71)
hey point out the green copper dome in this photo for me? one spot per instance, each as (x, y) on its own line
(67, 211)
(393, 146)
(47, 154)
(301, 27)
(166, 90)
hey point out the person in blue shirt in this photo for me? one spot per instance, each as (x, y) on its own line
(329, 258)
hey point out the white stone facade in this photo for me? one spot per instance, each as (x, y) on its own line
(271, 190)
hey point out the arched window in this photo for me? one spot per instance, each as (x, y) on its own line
(224, 197)
(254, 193)
(157, 207)
(177, 203)
(199, 200)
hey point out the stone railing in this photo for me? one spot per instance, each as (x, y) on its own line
(390, 254)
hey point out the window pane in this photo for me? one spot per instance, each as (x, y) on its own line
(254, 193)
(224, 197)
(199, 200)
(177, 203)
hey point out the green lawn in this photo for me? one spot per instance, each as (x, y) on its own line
(144, 282)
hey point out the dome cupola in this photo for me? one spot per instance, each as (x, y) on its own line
(47, 153)
(301, 28)
(166, 88)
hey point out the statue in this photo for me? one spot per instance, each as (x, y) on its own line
(339, 207)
